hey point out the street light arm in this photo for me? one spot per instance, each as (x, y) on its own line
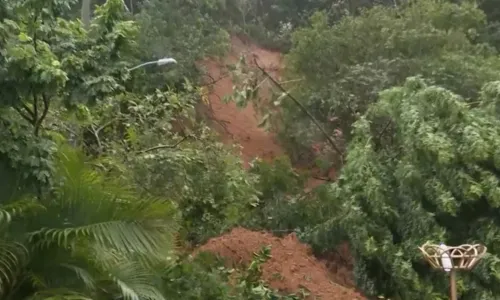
(160, 62)
(142, 65)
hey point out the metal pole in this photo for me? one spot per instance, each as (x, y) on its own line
(144, 64)
(453, 259)
(453, 285)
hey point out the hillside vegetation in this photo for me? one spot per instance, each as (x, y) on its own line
(368, 128)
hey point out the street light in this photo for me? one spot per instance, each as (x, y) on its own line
(451, 259)
(160, 62)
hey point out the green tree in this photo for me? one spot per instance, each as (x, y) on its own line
(156, 142)
(432, 176)
(179, 29)
(338, 70)
(48, 61)
(46, 58)
(85, 236)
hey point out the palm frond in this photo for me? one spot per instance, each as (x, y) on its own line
(61, 267)
(146, 237)
(37, 281)
(5, 217)
(91, 207)
(58, 294)
(19, 208)
(103, 236)
(13, 258)
(82, 274)
(134, 281)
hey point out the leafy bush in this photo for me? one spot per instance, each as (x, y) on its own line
(205, 179)
(198, 278)
(284, 206)
(205, 277)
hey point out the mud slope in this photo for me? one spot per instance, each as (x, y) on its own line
(236, 125)
(240, 126)
(292, 266)
(329, 279)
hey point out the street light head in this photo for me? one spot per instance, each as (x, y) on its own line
(165, 61)
(446, 261)
(463, 257)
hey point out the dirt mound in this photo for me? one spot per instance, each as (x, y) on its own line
(236, 125)
(291, 267)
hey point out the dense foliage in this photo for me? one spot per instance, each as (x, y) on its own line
(432, 176)
(93, 205)
(341, 75)
(109, 175)
(419, 161)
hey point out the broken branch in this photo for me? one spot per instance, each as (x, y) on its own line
(163, 146)
(302, 108)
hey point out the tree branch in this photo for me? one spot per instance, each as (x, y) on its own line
(38, 123)
(28, 110)
(106, 125)
(302, 108)
(35, 107)
(383, 130)
(213, 80)
(327, 179)
(293, 80)
(96, 135)
(95, 132)
(163, 146)
(23, 115)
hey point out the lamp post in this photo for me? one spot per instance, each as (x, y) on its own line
(452, 259)
(160, 62)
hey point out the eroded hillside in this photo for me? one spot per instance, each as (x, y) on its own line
(297, 267)
(237, 125)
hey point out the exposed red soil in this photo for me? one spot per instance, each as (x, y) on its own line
(237, 125)
(292, 266)
(240, 125)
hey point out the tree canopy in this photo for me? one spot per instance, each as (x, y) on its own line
(431, 176)
(341, 75)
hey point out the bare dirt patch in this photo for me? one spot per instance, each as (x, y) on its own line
(240, 125)
(237, 125)
(291, 267)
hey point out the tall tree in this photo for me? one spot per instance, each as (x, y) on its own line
(343, 67)
(433, 175)
(48, 61)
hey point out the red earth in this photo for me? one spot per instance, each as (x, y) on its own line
(240, 125)
(330, 278)
(292, 266)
